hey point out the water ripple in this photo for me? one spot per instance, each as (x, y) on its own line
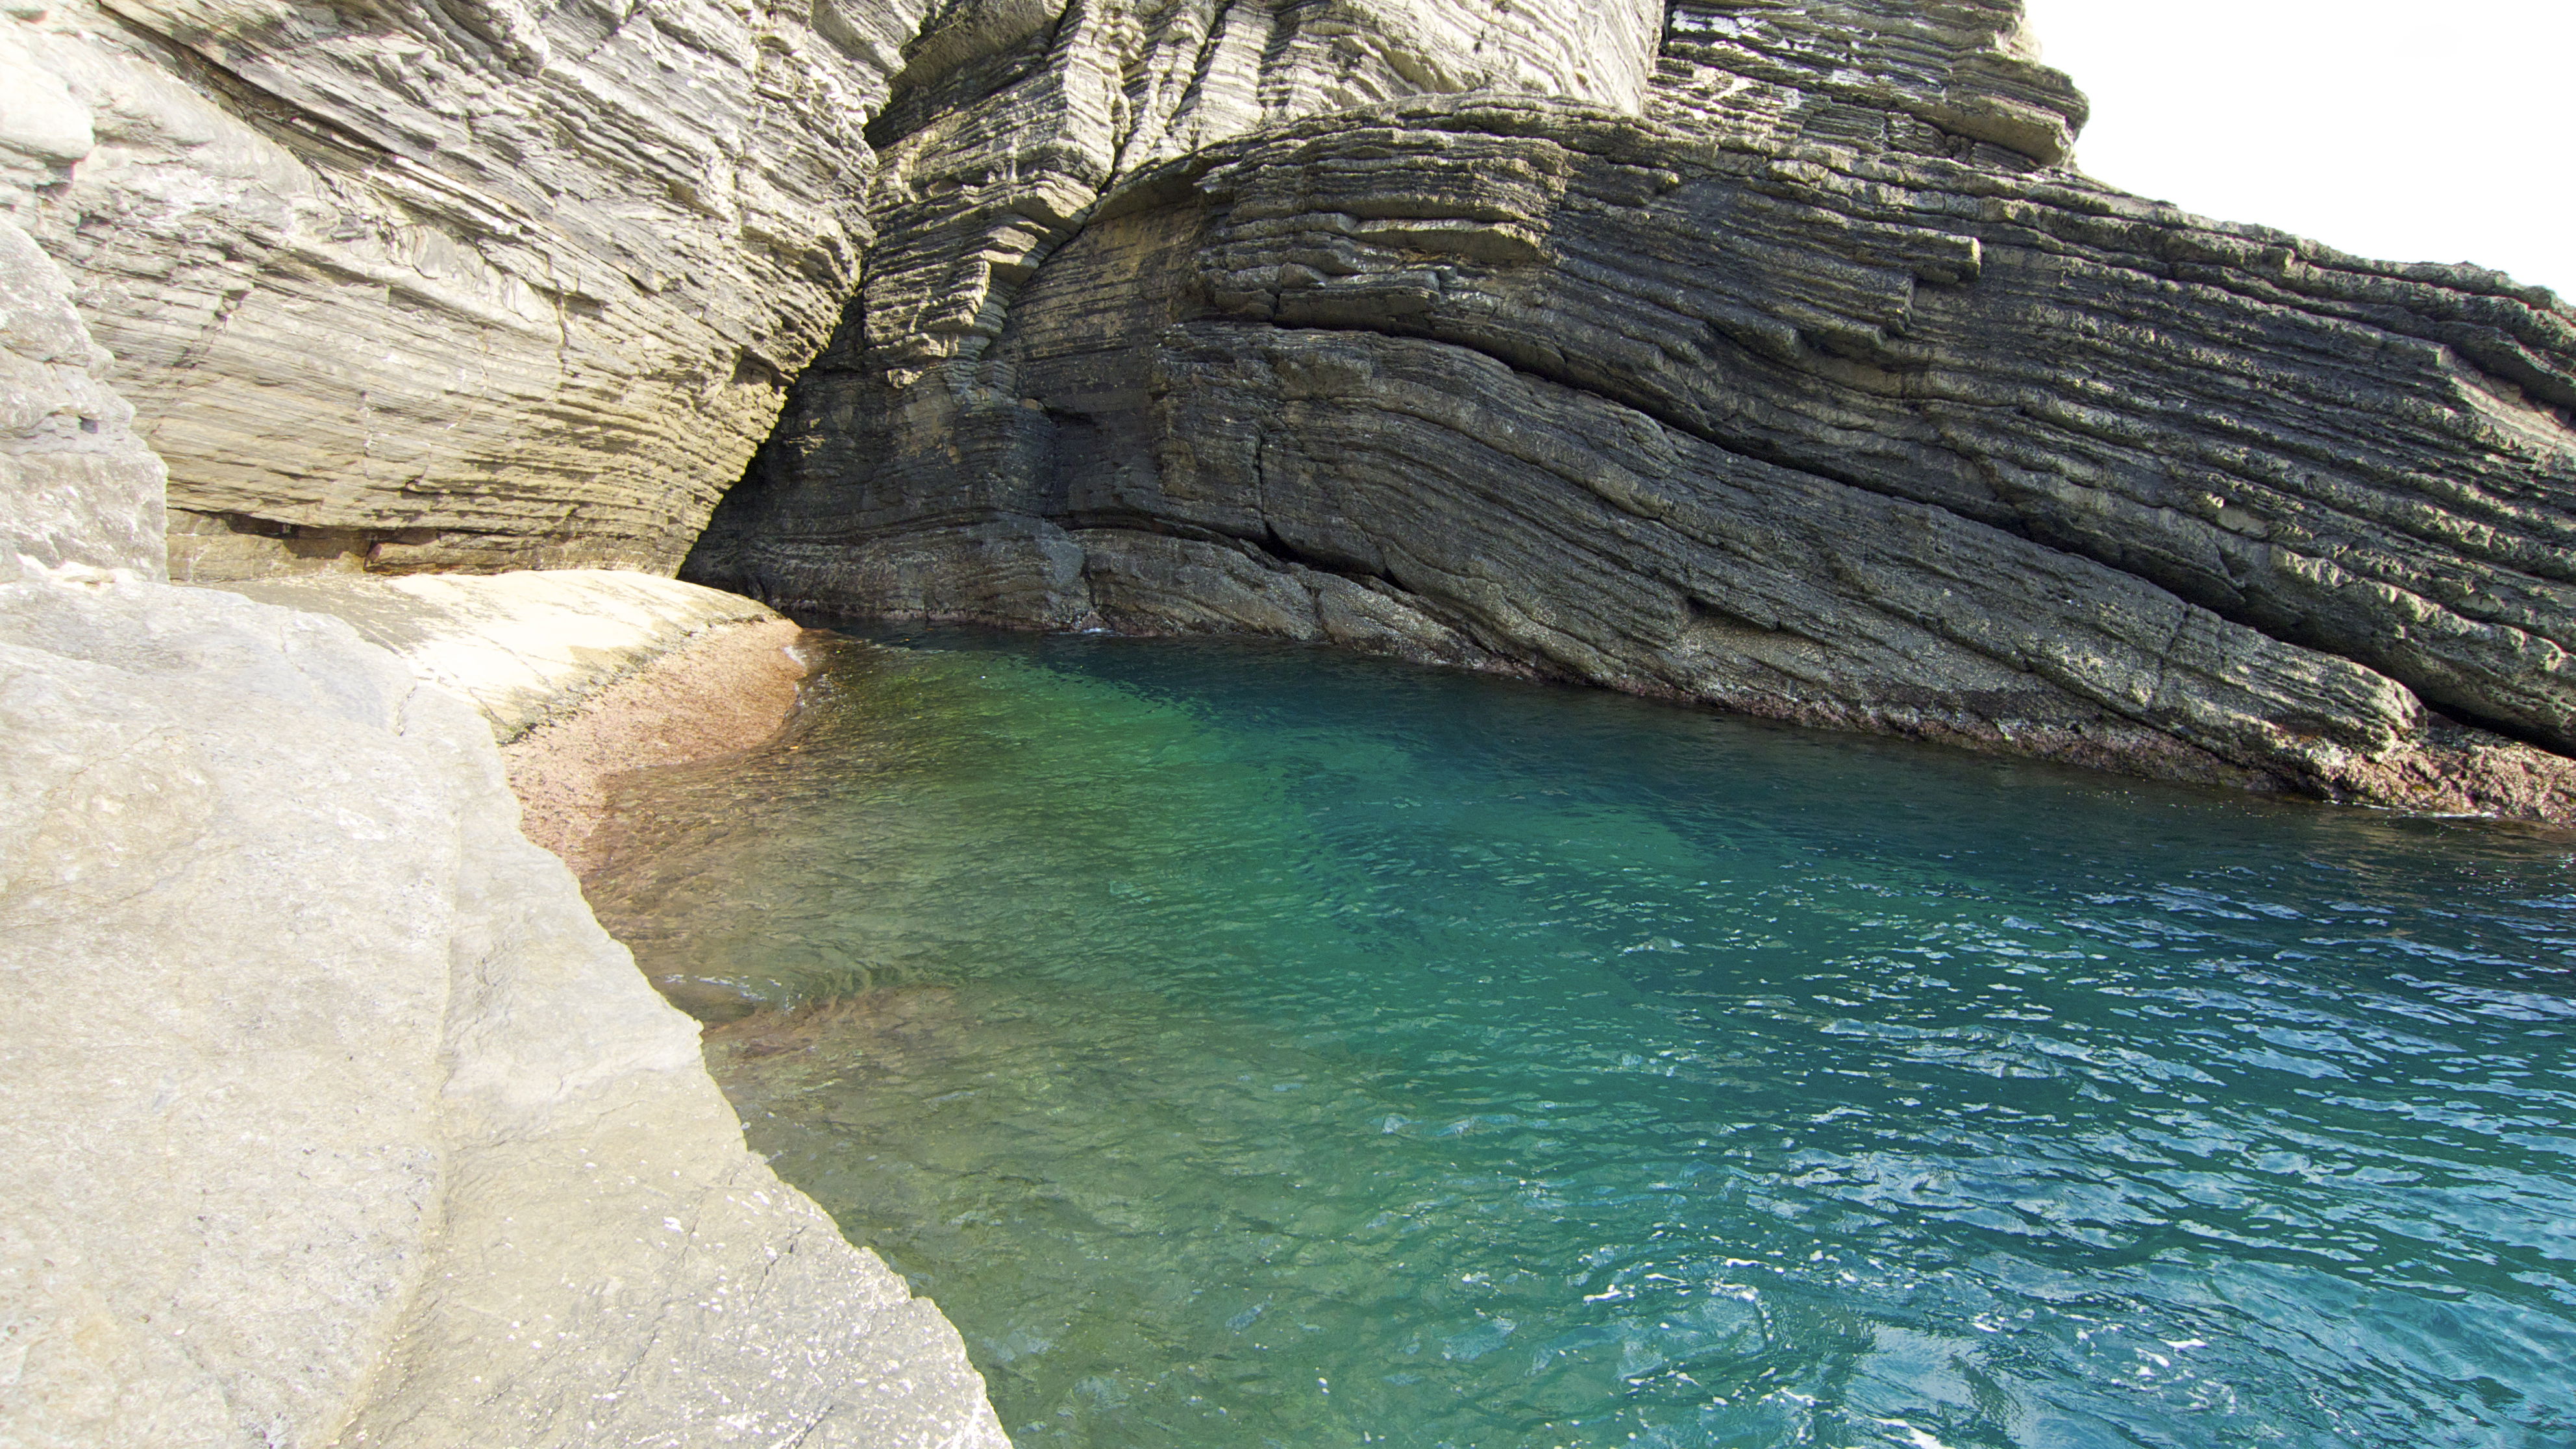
(1251, 1047)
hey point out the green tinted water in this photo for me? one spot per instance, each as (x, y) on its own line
(1249, 1046)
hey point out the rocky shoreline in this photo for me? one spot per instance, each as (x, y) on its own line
(581, 672)
(717, 695)
(1771, 356)
(329, 1113)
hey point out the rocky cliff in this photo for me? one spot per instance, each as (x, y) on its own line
(429, 285)
(328, 1114)
(1820, 389)
(1761, 353)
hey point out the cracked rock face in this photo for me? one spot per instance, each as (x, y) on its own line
(1329, 318)
(1821, 389)
(429, 286)
(487, 285)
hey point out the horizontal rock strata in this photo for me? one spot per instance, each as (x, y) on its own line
(418, 286)
(1878, 439)
(1955, 78)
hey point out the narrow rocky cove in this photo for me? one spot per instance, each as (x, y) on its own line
(1250, 1045)
(1978, 859)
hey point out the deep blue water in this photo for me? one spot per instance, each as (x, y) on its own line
(1250, 1046)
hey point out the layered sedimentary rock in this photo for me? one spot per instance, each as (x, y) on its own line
(1955, 78)
(1009, 120)
(583, 674)
(429, 287)
(421, 285)
(1911, 432)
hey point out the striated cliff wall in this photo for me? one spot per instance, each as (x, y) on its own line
(1820, 391)
(328, 1115)
(1534, 336)
(421, 285)
(424, 286)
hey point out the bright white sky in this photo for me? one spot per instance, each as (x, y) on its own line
(2415, 132)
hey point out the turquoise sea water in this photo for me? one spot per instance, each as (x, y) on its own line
(1248, 1046)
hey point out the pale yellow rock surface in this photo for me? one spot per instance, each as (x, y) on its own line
(523, 646)
(76, 486)
(327, 1112)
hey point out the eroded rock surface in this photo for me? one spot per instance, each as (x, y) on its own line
(328, 1114)
(420, 286)
(424, 286)
(76, 486)
(1955, 78)
(1897, 435)
(523, 647)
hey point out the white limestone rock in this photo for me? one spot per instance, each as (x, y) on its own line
(77, 487)
(328, 1114)
(524, 647)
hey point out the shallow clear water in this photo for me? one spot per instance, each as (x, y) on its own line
(1249, 1046)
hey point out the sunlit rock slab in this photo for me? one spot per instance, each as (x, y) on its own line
(524, 647)
(77, 487)
(329, 1115)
